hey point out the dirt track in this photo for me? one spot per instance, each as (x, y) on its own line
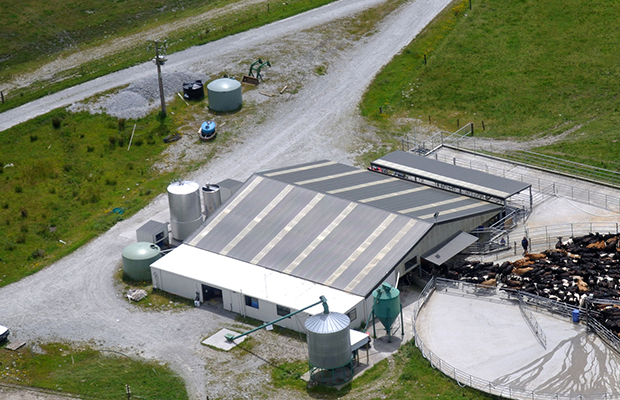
(76, 299)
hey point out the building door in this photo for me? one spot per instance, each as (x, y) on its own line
(209, 293)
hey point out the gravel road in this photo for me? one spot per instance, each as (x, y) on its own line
(76, 298)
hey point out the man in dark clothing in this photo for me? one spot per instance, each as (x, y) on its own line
(525, 244)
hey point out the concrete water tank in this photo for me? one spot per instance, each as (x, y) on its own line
(224, 94)
(211, 198)
(137, 260)
(329, 341)
(185, 212)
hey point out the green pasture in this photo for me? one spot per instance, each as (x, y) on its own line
(526, 68)
(91, 374)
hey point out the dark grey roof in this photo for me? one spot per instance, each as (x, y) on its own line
(313, 235)
(378, 190)
(451, 175)
(449, 248)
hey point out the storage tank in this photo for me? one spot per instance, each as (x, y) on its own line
(137, 260)
(329, 341)
(386, 304)
(211, 198)
(185, 212)
(224, 94)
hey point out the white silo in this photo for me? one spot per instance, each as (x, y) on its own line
(185, 212)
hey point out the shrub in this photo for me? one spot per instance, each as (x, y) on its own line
(19, 189)
(24, 228)
(56, 122)
(121, 124)
(33, 138)
(38, 253)
(5, 205)
(112, 140)
(139, 142)
(90, 149)
(21, 239)
(24, 212)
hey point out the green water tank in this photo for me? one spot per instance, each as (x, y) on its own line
(137, 260)
(386, 304)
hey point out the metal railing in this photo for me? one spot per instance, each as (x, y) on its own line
(465, 379)
(544, 187)
(463, 139)
(532, 322)
(545, 237)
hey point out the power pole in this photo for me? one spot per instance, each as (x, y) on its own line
(159, 60)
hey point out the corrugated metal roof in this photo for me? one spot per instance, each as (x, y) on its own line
(322, 238)
(443, 173)
(327, 323)
(450, 248)
(329, 223)
(378, 190)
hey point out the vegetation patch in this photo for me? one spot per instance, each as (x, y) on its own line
(85, 372)
(71, 184)
(525, 69)
(156, 300)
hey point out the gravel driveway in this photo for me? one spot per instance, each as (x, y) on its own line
(76, 298)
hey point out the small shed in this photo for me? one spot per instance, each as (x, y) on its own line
(224, 94)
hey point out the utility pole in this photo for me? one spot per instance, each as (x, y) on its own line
(159, 60)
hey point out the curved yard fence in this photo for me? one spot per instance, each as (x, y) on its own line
(529, 300)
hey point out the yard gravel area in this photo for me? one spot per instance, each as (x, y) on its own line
(77, 299)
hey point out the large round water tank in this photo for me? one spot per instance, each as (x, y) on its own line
(185, 212)
(224, 94)
(329, 341)
(386, 304)
(137, 260)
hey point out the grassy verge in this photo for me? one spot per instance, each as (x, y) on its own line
(113, 22)
(156, 300)
(524, 69)
(89, 373)
(407, 376)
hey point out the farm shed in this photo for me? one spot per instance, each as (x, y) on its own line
(339, 229)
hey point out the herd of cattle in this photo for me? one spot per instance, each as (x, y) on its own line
(579, 268)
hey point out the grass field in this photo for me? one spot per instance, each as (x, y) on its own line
(62, 186)
(89, 373)
(524, 68)
(407, 377)
(36, 33)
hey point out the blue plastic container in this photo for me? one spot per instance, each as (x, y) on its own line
(576, 315)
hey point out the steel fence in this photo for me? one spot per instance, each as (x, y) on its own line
(532, 322)
(543, 188)
(463, 378)
(545, 237)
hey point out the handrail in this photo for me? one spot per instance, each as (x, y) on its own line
(531, 321)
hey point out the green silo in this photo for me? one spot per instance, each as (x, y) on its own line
(137, 260)
(386, 306)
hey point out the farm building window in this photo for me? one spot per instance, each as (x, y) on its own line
(282, 311)
(352, 314)
(251, 302)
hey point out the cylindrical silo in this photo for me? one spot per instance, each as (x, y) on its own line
(185, 212)
(211, 198)
(329, 341)
(137, 260)
(224, 94)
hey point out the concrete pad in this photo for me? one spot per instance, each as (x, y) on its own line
(491, 341)
(219, 340)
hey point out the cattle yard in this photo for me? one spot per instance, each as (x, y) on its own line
(542, 324)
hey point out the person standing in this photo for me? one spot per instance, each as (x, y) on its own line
(525, 243)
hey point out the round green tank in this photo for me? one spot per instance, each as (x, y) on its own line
(137, 260)
(386, 304)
